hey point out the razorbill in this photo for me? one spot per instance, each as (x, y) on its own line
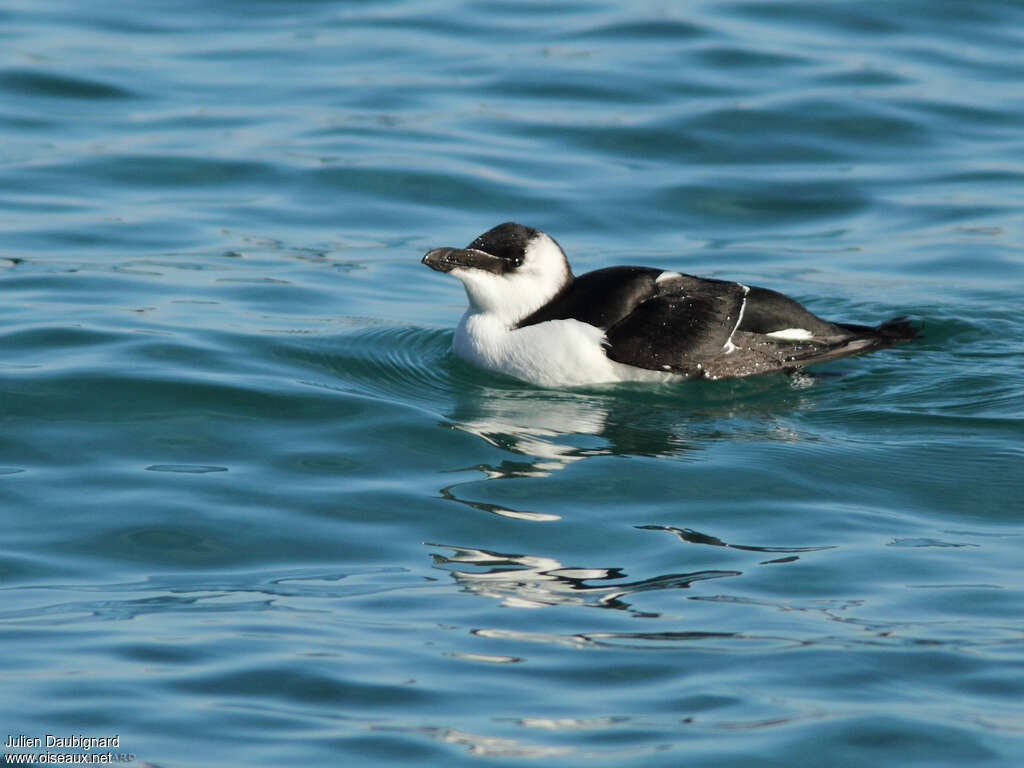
(531, 318)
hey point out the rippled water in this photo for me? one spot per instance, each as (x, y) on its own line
(255, 513)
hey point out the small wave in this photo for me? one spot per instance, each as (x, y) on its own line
(188, 469)
(653, 30)
(34, 83)
(398, 363)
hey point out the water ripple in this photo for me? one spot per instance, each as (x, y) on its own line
(29, 82)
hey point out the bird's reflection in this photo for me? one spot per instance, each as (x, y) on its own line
(695, 537)
(498, 509)
(532, 581)
(541, 426)
(548, 431)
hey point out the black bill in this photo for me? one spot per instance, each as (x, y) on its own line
(447, 259)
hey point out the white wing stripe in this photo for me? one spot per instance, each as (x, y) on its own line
(791, 334)
(729, 346)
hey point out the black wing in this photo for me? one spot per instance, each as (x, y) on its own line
(689, 321)
(701, 327)
(601, 298)
(670, 324)
(767, 310)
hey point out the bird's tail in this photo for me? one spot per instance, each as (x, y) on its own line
(892, 331)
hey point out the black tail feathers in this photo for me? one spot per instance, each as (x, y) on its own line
(897, 329)
(890, 332)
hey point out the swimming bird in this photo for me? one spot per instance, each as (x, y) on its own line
(529, 317)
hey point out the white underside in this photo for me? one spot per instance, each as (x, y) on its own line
(557, 353)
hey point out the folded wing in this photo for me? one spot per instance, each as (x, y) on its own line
(686, 322)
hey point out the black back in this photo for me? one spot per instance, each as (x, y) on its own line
(601, 298)
(672, 325)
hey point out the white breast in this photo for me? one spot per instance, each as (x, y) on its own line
(557, 353)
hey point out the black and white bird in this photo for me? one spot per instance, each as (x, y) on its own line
(530, 318)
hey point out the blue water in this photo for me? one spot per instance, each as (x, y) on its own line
(256, 513)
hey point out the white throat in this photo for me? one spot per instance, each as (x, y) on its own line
(510, 297)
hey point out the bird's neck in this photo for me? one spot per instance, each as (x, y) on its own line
(514, 299)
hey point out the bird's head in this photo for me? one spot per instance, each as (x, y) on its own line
(509, 271)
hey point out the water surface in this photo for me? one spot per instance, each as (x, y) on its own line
(256, 513)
